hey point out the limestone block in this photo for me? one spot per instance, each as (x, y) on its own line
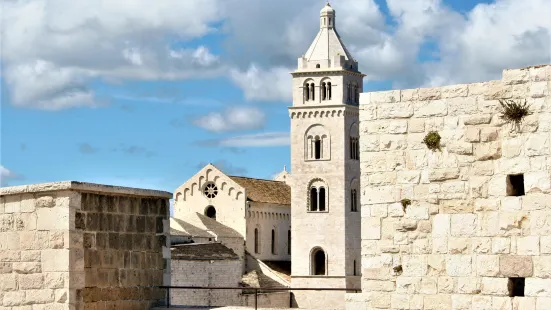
(392, 142)
(443, 174)
(458, 265)
(55, 260)
(511, 203)
(368, 111)
(540, 223)
(437, 302)
(524, 303)
(472, 134)
(429, 93)
(9, 283)
(45, 202)
(461, 302)
(430, 108)
(429, 285)
(44, 296)
(380, 194)
(501, 245)
(378, 162)
(481, 245)
(53, 218)
(545, 244)
(369, 143)
(396, 210)
(410, 94)
(459, 147)
(529, 245)
(494, 286)
(535, 287)
(497, 186)
(467, 285)
(487, 151)
(540, 73)
(537, 144)
(446, 285)
(542, 267)
(28, 267)
(477, 119)
(535, 182)
(416, 125)
(380, 210)
(515, 266)
(55, 280)
(382, 286)
(31, 281)
(12, 204)
(516, 76)
(462, 106)
(487, 265)
(390, 96)
(491, 204)
(414, 265)
(481, 303)
(371, 228)
(440, 245)
(452, 91)
(539, 89)
(543, 303)
(12, 299)
(394, 110)
(27, 203)
(502, 303)
(441, 225)
(382, 178)
(463, 225)
(483, 168)
(417, 212)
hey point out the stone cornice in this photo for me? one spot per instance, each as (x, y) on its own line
(325, 73)
(323, 111)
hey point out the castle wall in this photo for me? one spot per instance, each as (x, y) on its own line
(72, 245)
(463, 236)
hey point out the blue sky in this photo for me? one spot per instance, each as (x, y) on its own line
(145, 95)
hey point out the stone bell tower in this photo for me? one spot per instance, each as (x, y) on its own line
(325, 217)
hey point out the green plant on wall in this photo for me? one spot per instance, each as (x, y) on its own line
(432, 140)
(405, 203)
(513, 112)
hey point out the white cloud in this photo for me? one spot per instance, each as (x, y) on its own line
(51, 49)
(267, 139)
(266, 85)
(6, 175)
(232, 119)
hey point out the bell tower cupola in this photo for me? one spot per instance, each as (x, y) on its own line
(327, 17)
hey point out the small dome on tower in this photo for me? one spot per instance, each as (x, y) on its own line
(327, 9)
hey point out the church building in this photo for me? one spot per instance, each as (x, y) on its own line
(310, 218)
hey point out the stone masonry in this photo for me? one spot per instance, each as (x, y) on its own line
(467, 239)
(72, 245)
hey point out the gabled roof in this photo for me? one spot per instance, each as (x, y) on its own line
(203, 251)
(326, 45)
(266, 191)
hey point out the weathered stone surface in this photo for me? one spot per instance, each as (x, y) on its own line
(515, 266)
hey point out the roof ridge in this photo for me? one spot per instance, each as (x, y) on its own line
(237, 176)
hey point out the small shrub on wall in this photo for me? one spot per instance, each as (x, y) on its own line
(432, 140)
(513, 112)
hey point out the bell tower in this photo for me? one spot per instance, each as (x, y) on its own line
(325, 217)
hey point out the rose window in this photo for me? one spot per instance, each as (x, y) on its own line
(210, 190)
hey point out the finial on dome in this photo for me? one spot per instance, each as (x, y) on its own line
(284, 167)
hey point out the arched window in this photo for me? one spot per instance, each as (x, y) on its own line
(273, 242)
(321, 199)
(354, 148)
(323, 91)
(328, 91)
(256, 241)
(312, 91)
(210, 211)
(307, 92)
(289, 242)
(313, 199)
(317, 148)
(318, 262)
(317, 66)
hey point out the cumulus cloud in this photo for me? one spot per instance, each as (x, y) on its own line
(52, 49)
(267, 139)
(264, 85)
(7, 175)
(232, 119)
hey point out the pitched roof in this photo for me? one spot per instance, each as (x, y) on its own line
(327, 44)
(198, 225)
(203, 251)
(267, 191)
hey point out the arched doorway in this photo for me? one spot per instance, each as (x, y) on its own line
(319, 261)
(210, 211)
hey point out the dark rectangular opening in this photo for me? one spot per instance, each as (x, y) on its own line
(515, 185)
(516, 287)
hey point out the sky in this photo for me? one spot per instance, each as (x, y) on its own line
(145, 93)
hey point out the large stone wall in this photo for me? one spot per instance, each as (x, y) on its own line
(72, 245)
(463, 237)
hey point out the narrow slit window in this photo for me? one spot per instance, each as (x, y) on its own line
(289, 242)
(256, 248)
(516, 287)
(321, 199)
(313, 199)
(273, 242)
(317, 148)
(515, 185)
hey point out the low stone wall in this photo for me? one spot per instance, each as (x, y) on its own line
(72, 245)
(268, 300)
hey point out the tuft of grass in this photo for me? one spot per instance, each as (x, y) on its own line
(405, 203)
(513, 112)
(398, 270)
(432, 140)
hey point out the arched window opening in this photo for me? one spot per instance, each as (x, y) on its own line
(313, 199)
(328, 91)
(318, 66)
(317, 148)
(256, 241)
(322, 90)
(210, 211)
(329, 21)
(321, 199)
(312, 91)
(289, 242)
(273, 242)
(318, 263)
(307, 92)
